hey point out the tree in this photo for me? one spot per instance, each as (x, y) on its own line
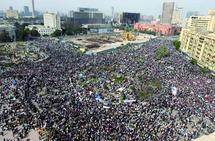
(193, 61)
(161, 52)
(204, 70)
(34, 33)
(177, 44)
(57, 33)
(21, 32)
(4, 37)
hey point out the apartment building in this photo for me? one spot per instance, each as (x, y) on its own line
(198, 39)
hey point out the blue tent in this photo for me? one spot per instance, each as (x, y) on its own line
(14, 82)
(98, 97)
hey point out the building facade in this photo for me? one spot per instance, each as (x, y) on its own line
(198, 22)
(198, 39)
(87, 16)
(177, 17)
(199, 46)
(167, 13)
(211, 24)
(52, 20)
(130, 18)
(98, 28)
(12, 14)
(158, 28)
(26, 12)
(42, 29)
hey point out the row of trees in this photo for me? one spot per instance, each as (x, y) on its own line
(161, 52)
(4, 37)
(23, 34)
(69, 28)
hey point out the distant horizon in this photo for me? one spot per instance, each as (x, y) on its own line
(150, 7)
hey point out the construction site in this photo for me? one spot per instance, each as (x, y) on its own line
(100, 42)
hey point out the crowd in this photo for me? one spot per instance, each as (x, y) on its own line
(74, 96)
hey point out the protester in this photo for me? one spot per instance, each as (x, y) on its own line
(74, 96)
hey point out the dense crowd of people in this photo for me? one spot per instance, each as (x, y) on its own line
(74, 96)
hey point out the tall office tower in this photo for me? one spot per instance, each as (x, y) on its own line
(33, 9)
(87, 16)
(52, 20)
(112, 13)
(26, 11)
(177, 16)
(167, 13)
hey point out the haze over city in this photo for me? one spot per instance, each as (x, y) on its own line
(149, 7)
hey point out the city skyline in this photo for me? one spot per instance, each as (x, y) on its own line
(153, 7)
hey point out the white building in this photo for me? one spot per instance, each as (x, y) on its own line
(177, 16)
(198, 22)
(42, 29)
(10, 13)
(198, 39)
(52, 20)
(211, 24)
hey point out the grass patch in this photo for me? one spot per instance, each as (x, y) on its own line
(117, 78)
(161, 52)
(146, 87)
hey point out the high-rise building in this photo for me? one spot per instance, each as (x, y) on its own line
(198, 39)
(130, 18)
(211, 24)
(117, 17)
(167, 13)
(52, 20)
(12, 14)
(26, 12)
(177, 16)
(192, 13)
(33, 9)
(87, 16)
(198, 23)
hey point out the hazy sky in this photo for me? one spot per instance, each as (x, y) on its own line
(146, 7)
